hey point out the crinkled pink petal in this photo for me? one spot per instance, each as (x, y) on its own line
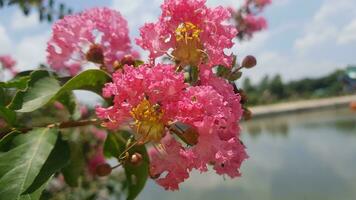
(173, 160)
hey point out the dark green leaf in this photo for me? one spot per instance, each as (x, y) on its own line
(17, 82)
(69, 101)
(136, 176)
(8, 115)
(74, 169)
(112, 146)
(57, 159)
(5, 142)
(20, 165)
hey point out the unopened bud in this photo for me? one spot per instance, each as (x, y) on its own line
(103, 169)
(247, 114)
(243, 96)
(152, 175)
(95, 54)
(136, 159)
(128, 60)
(249, 62)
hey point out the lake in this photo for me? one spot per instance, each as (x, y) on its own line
(296, 157)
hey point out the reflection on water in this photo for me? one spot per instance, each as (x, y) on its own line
(298, 156)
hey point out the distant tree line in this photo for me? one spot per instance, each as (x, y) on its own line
(273, 90)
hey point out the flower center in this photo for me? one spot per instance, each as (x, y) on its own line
(95, 54)
(148, 121)
(189, 48)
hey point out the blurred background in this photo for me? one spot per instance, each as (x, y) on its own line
(303, 150)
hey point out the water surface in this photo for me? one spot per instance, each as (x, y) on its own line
(308, 156)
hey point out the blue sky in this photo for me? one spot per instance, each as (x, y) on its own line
(306, 38)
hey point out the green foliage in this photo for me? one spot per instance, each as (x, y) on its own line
(43, 88)
(40, 90)
(76, 165)
(20, 165)
(57, 159)
(136, 175)
(8, 115)
(272, 90)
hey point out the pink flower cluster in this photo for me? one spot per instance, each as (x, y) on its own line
(211, 108)
(158, 105)
(98, 36)
(8, 63)
(191, 124)
(184, 21)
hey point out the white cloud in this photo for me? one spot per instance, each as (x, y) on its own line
(348, 34)
(5, 42)
(137, 12)
(21, 22)
(31, 50)
(325, 25)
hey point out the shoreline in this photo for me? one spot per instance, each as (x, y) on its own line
(301, 106)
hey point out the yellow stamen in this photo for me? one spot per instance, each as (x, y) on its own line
(189, 48)
(148, 121)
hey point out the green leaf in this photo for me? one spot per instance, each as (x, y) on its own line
(8, 115)
(42, 89)
(57, 159)
(136, 176)
(5, 142)
(38, 90)
(69, 101)
(112, 146)
(74, 169)
(20, 165)
(91, 80)
(18, 82)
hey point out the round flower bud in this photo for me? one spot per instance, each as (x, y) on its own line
(243, 96)
(136, 159)
(247, 114)
(103, 169)
(249, 62)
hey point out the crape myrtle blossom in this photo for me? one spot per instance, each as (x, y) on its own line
(152, 98)
(98, 36)
(190, 33)
(8, 63)
(206, 110)
(246, 18)
(144, 97)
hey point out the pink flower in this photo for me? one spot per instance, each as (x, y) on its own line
(144, 97)
(196, 34)
(98, 35)
(8, 63)
(211, 113)
(173, 159)
(262, 3)
(254, 24)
